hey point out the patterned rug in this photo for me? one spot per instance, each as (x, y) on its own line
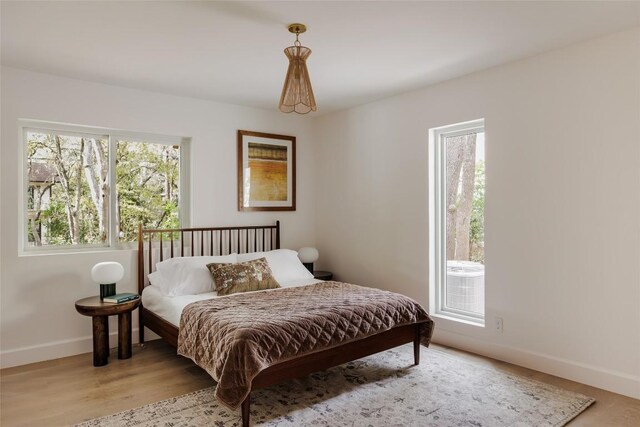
(381, 390)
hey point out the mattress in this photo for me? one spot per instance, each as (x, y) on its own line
(170, 308)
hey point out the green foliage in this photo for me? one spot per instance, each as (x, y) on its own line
(148, 188)
(147, 184)
(477, 215)
(54, 219)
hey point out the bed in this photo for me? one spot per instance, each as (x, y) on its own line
(156, 246)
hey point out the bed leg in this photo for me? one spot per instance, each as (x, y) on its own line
(141, 328)
(416, 346)
(245, 410)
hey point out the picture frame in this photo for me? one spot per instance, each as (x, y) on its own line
(266, 172)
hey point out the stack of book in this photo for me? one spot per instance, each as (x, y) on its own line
(120, 298)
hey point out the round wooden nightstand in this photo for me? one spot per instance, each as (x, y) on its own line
(322, 275)
(100, 312)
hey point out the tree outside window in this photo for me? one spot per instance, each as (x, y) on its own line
(69, 194)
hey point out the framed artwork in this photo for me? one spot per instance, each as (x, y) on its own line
(266, 172)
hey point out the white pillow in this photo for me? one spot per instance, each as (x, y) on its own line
(284, 263)
(187, 275)
(160, 281)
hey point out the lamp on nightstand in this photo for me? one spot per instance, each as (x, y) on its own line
(308, 256)
(107, 274)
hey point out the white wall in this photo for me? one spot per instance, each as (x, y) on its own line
(38, 318)
(562, 205)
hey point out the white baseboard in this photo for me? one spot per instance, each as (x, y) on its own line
(615, 381)
(58, 349)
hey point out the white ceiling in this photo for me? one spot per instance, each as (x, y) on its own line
(232, 51)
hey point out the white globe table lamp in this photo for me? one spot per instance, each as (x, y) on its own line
(308, 256)
(107, 274)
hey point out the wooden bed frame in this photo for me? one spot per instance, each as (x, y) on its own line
(169, 243)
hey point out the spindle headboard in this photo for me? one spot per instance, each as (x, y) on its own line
(158, 245)
(161, 244)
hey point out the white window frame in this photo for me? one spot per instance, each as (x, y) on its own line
(112, 136)
(438, 221)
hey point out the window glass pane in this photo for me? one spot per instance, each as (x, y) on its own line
(67, 190)
(147, 184)
(464, 198)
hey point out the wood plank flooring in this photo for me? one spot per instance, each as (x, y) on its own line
(69, 390)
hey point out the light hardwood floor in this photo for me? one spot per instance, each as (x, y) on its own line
(70, 390)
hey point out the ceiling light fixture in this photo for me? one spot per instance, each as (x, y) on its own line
(297, 94)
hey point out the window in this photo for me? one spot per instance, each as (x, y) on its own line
(92, 188)
(457, 226)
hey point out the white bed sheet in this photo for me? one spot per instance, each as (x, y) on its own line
(170, 308)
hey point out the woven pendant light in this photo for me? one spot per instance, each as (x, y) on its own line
(297, 94)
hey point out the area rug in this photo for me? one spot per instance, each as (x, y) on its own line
(381, 390)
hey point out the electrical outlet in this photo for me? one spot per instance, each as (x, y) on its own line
(498, 324)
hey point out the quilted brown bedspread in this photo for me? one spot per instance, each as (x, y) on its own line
(235, 337)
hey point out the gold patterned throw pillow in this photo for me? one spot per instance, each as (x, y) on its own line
(247, 276)
(214, 266)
